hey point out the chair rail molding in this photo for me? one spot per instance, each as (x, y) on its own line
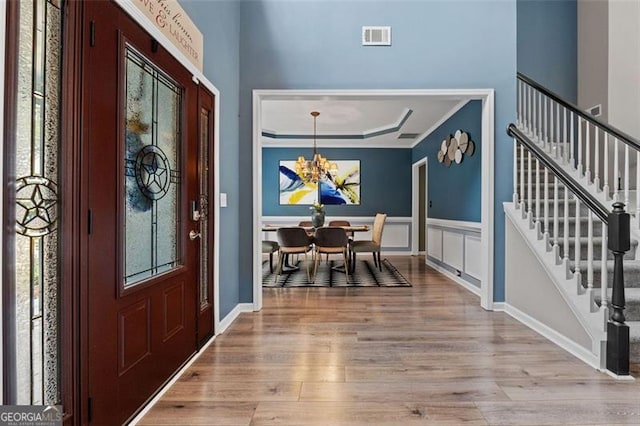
(487, 96)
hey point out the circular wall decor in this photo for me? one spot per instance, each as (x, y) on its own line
(463, 142)
(453, 147)
(471, 147)
(458, 156)
(153, 172)
(445, 145)
(440, 156)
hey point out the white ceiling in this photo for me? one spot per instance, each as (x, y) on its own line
(354, 121)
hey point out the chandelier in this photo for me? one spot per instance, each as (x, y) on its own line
(318, 167)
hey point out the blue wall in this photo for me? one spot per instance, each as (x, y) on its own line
(385, 181)
(219, 22)
(454, 192)
(316, 45)
(548, 44)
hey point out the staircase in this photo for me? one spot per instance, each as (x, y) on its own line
(563, 194)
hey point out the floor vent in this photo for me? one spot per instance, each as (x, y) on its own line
(596, 111)
(376, 36)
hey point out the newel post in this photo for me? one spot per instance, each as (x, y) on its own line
(619, 242)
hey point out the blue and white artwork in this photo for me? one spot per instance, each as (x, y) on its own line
(343, 186)
(293, 190)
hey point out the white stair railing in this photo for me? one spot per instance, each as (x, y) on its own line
(605, 158)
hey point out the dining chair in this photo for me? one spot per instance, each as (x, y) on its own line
(341, 223)
(331, 240)
(373, 245)
(270, 247)
(293, 240)
(305, 224)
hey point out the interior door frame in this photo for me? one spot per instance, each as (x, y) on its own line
(415, 204)
(486, 96)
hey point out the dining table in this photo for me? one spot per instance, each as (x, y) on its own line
(311, 230)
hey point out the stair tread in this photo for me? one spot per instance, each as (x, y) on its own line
(634, 331)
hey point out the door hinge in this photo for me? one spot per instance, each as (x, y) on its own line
(90, 409)
(92, 33)
(89, 222)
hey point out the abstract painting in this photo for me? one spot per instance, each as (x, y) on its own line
(293, 190)
(342, 187)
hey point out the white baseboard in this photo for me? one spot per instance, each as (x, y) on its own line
(499, 306)
(473, 289)
(544, 330)
(231, 316)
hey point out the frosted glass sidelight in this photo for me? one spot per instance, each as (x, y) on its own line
(36, 282)
(203, 166)
(152, 171)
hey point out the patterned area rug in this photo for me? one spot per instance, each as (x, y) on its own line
(366, 275)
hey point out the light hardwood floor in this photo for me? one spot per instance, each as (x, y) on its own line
(390, 356)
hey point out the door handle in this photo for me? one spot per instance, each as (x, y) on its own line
(193, 235)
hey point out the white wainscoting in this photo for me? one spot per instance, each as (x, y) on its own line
(396, 237)
(456, 247)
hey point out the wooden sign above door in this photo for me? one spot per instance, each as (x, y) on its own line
(169, 17)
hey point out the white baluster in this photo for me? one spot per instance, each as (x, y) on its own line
(603, 267)
(546, 207)
(519, 110)
(537, 223)
(573, 141)
(565, 139)
(532, 113)
(556, 225)
(587, 142)
(522, 205)
(579, 141)
(552, 141)
(596, 163)
(576, 254)
(590, 251)
(605, 187)
(565, 244)
(558, 142)
(626, 175)
(529, 189)
(616, 170)
(540, 122)
(515, 172)
(545, 123)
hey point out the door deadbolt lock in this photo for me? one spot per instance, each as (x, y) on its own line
(193, 235)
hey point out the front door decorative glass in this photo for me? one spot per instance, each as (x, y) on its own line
(152, 171)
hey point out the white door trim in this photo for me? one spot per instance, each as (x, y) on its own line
(415, 204)
(487, 97)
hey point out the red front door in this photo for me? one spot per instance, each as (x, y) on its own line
(140, 177)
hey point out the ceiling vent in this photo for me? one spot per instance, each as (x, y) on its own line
(376, 36)
(408, 135)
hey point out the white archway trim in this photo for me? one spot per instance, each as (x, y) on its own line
(415, 203)
(487, 96)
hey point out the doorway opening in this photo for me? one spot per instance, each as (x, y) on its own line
(486, 96)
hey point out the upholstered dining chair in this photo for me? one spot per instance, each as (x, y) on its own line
(331, 240)
(270, 247)
(305, 224)
(341, 223)
(373, 245)
(293, 240)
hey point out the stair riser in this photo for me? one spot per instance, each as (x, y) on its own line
(597, 247)
(631, 277)
(631, 310)
(597, 229)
